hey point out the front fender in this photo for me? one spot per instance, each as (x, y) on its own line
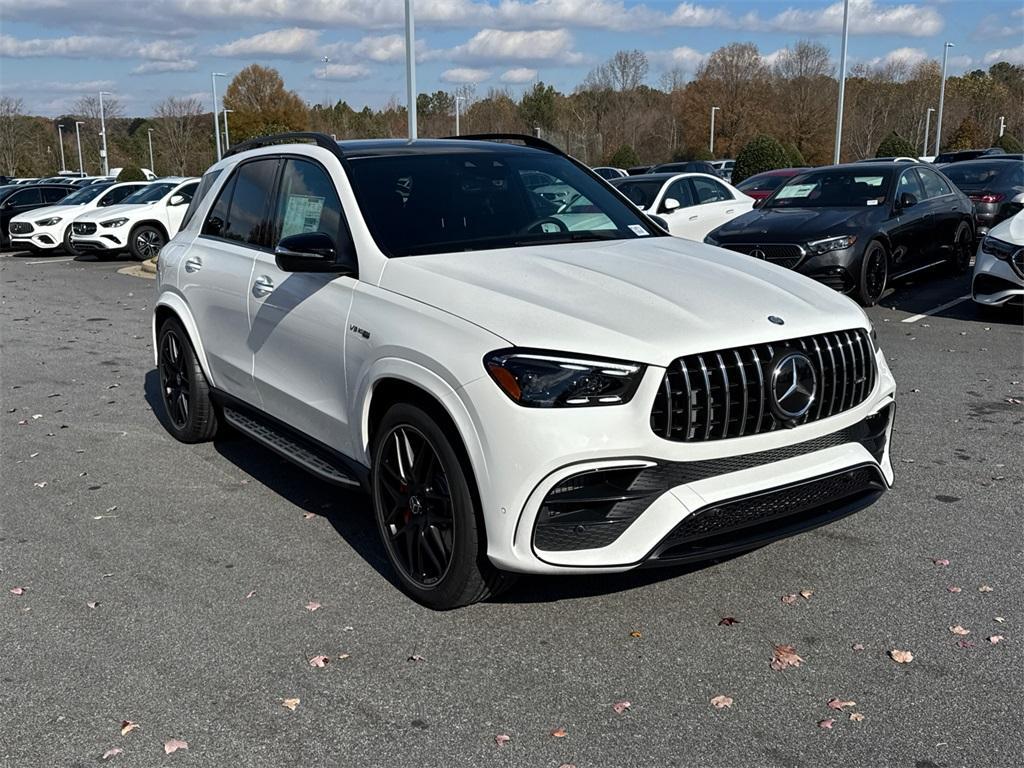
(176, 303)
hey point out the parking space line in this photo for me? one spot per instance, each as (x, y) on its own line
(936, 310)
(51, 261)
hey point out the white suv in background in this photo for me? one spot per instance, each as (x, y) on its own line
(518, 388)
(49, 229)
(141, 224)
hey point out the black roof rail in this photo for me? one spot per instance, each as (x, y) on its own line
(530, 141)
(320, 139)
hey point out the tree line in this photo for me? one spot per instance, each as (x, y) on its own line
(614, 116)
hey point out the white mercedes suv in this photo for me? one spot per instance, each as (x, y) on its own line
(518, 388)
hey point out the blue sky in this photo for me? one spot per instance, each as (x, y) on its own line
(53, 51)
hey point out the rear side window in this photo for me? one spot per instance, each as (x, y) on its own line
(240, 212)
(934, 185)
(26, 197)
(204, 186)
(52, 195)
(709, 191)
(306, 202)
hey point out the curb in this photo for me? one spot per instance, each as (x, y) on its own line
(138, 270)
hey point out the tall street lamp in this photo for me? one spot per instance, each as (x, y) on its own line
(326, 62)
(842, 82)
(711, 147)
(410, 68)
(78, 139)
(216, 113)
(103, 133)
(457, 100)
(60, 139)
(942, 97)
(927, 124)
(152, 165)
(227, 138)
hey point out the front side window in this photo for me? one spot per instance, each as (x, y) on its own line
(679, 190)
(240, 211)
(476, 200)
(831, 189)
(910, 183)
(306, 202)
(204, 186)
(709, 191)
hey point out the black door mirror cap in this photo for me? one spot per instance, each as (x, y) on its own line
(314, 252)
(907, 200)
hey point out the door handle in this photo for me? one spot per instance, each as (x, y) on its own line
(730, 210)
(262, 286)
(193, 264)
(693, 218)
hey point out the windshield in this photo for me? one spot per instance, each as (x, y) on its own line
(642, 192)
(831, 189)
(85, 194)
(148, 194)
(982, 174)
(469, 201)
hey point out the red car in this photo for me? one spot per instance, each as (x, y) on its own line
(761, 185)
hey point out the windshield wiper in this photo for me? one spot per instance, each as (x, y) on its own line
(572, 237)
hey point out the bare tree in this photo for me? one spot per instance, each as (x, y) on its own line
(87, 108)
(625, 71)
(180, 134)
(806, 95)
(12, 133)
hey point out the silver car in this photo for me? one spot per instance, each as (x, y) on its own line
(999, 266)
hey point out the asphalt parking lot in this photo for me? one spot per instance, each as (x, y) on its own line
(169, 586)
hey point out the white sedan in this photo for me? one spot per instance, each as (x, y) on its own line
(692, 204)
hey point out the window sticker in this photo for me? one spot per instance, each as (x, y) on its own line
(638, 230)
(302, 214)
(796, 190)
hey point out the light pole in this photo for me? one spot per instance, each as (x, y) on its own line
(60, 139)
(711, 147)
(326, 61)
(457, 100)
(103, 133)
(216, 114)
(227, 139)
(942, 97)
(152, 165)
(78, 139)
(927, 123)
(410, 68)
(842, 82)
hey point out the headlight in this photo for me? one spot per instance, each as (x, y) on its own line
(547, 380)
(995, 247)
(115, 223)
(831, 244)
(48, 222)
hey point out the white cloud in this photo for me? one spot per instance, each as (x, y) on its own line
(383, 48)
(159, 67)
(691, 15)
(867, 17)
(341, 72)
(39, 87)
(905, 55)
(290, 42)
(495, 45)
(1013, 55)
(683, 57)
(461, 75)
(89, 46)
(518, 75)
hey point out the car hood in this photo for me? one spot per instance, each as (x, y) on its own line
(645, 300)
(1011, 230)
(112, 212)
(41, 213)
(788, 225)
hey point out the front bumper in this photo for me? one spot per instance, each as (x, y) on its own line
(995, 283)
(39, 239)
(529, 457)
(113, 239)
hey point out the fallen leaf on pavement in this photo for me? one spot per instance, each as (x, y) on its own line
(308, 515)
(319, 661)
(173, 745)
(958, 630)
(964, 644)
(901, 657)
(250, 593)
(502, 739)
(621, 706)
(826, 724)
(984, 588)
(127, 726)
(721, 702)
(343, 656)
(559, 733)
(635, 634)
(93, 605)
(312, 605)
(17, 591)
(806, 593)
(416, 657)
(856, 717)
(999, 619)
(857, 646)
(112, 752)
(942, 562)
(839, 704)
(953, 589)
(290, 704)
(995, 639)
(789, 599)
(728, 621)
(785, 656)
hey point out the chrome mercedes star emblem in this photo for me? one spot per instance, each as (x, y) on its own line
(776, 319)
(757, 253)
(794, 385)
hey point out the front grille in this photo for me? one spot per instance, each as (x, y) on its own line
(727, 393)
(1017, 261)
(786, 255)
(84, 228)
(20, 228)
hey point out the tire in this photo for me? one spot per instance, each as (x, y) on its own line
(963, 249)
(69, 248)
(427, 512)
(874, 274)
(145, 242)
(191, 415)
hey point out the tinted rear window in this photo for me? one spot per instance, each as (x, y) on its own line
(970, 174)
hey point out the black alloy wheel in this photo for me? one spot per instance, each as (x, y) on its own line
(174, 380)
(874, 274)
(963, 249)
(191, 415)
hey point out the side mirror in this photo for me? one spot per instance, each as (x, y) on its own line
(177, 200)
(313, 252)
(660, 222)
(906, 200)
(669, 204)
(759, 203)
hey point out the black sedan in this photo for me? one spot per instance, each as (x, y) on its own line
(18, 198)
(996, 187)
(856, 227)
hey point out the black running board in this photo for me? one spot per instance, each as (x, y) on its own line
(291, 447)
